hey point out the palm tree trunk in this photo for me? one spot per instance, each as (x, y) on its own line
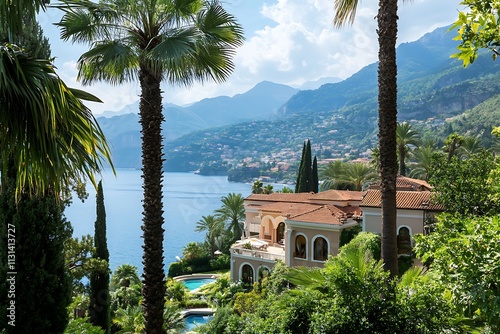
(387, 110)
(402, 165)
(151, 117)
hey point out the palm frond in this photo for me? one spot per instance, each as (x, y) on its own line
(111, 61)
(345, 12)
(52, 137)
(307, 278)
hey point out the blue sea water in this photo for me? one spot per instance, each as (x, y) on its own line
(186, 197)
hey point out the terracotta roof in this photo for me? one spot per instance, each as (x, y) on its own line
(339, 195)
(404, 200)
(285, 208)
(329, 195)
(281, 197)
(406, 183)
(323, 214)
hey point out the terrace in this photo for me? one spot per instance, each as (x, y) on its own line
(256, 248)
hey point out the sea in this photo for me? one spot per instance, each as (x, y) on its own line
(186, 198)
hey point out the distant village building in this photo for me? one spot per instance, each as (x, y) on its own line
(304, 229)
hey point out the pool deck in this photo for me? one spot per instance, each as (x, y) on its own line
(187, 277)
(197, 311)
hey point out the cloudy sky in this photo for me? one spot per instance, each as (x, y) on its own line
(287, 41)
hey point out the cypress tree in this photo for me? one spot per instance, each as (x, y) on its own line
(99, 307)
(305, 179)
(299, 175)
(35, 284)
(315, 179)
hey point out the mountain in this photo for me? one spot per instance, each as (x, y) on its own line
(340, 118)
(311, 85)
(259, 103)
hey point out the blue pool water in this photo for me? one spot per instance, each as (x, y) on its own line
(195, 283)
(194, 320)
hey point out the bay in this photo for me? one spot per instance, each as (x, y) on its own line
(186, 197)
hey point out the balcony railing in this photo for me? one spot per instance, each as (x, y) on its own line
(266, 255)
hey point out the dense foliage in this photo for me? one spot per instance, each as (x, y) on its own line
(466, 253)
(36, 284)
(352, 294)
(464, 186)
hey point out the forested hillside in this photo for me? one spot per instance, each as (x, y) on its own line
(341, 119)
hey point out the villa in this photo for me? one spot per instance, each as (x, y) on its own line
(303, 229)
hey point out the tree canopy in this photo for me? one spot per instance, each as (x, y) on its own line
(477, 28)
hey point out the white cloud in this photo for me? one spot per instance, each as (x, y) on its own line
(288, 41)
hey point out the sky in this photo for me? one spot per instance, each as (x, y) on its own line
(286, 41)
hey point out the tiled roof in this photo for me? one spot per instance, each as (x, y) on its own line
(285, 208)
(339, 195)
(323, 214)
(281, 197)
(329, 195)
(406, 183)
(404, 200)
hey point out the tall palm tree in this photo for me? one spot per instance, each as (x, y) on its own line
(51, 130)
(233, 212)
(213, 227)
(387, 18)
(179, 41)
(405, 136)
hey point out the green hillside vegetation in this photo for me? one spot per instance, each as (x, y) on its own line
(447, 91)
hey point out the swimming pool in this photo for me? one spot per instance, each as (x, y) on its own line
(196, 283)
(195, 320)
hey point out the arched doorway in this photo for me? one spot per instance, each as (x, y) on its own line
(247, 274)
(404, 240)
(280, 233)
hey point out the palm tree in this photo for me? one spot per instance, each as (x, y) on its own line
(387, 18)
(232, 211)
(179, 41)
(268, 189)
(405, 136)
(470, 145)
(423, 162)
(257, 187)
(350, 175)
(130, 320)
(124, 276)
(173, 319)
(214, 228)
(331, 174)
(51, 130)
(358, 174)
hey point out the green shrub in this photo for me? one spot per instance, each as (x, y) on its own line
(221, 262)
(196, 303)
(175, 269)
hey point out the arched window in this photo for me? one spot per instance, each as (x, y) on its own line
(320, 249)
(280, 233)
(247, 274)
(300, 247)
(404, 240)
